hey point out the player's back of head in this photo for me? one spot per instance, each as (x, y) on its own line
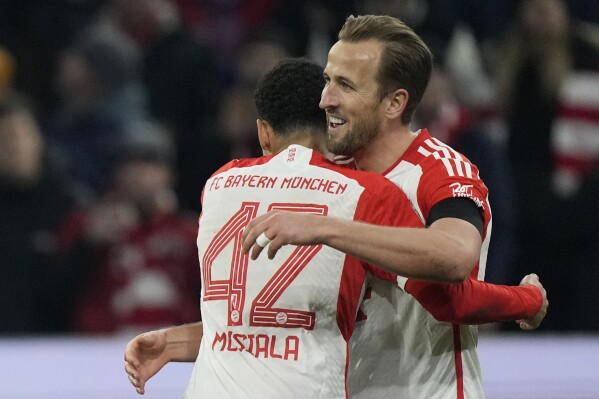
(287, 97)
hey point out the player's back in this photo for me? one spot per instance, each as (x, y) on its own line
(279, 328)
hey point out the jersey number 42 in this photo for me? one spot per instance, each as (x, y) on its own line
(262, 312)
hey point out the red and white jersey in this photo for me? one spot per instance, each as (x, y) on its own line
(280, 328)
(400, 350)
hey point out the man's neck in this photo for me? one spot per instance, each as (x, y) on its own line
(309, 141)
(384, 150)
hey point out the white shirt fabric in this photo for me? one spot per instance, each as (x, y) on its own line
(400, 350)
(280, 328)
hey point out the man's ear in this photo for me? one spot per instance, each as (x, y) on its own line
(265, 136)
(398, 101)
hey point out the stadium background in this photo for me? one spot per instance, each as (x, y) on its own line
(171, 81)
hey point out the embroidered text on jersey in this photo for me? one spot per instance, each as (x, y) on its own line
(465, 190)
(297, 182)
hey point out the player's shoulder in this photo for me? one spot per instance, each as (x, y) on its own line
(242, 163)
(438, 158)
(435, 150)
(371, 181)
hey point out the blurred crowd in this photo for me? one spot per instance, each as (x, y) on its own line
(113, 113)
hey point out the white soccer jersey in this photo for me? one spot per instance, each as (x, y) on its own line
(280, 328)
(400, 350)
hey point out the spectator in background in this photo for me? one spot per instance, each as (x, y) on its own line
(35, 32)
(313, 24)
(35, 196)
(484, 19)
(135, 247)
(183, 87)
(237, 112)
(470, 133)
(99, 95)
(412, 12)
(548, 86)
(225, 25)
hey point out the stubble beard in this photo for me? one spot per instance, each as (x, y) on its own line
(356, 138)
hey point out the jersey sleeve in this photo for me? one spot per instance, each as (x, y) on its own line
(453, 177)
(475, 302)
(386, 206)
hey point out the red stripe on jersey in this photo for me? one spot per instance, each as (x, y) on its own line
(459, 371)
(425, 143)
(350, 290)
(353, 275)
(346, 370)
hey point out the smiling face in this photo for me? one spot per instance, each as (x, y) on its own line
(351, 96)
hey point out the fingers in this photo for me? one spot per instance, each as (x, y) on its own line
(274, 247)
(262, 240)
(257, 235)
(132, 363)
(526, 326)
(266, 231)
(530, 279)
(256, 242)
(256, 250)
(130, 355)
(131, 370)
(135, 378)
(251, 233)
(529, 324)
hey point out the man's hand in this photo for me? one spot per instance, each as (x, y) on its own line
(145, 355)
(535, 321)
(281, 228)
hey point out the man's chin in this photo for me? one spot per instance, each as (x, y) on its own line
(337, 149)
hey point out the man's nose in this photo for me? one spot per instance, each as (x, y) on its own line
(327, 99)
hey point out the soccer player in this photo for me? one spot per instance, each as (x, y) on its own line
(418, 342)
(276, 328)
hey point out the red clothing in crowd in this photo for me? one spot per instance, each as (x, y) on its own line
(147, 278)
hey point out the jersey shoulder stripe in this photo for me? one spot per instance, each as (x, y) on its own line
(455, 163)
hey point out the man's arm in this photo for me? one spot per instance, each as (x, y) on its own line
(147, 353)
(446, 251)
(477, 302)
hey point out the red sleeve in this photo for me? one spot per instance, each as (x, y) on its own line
(387, 207)
(450, 178)
(475, 301)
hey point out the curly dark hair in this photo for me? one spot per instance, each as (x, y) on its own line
(287, 97)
